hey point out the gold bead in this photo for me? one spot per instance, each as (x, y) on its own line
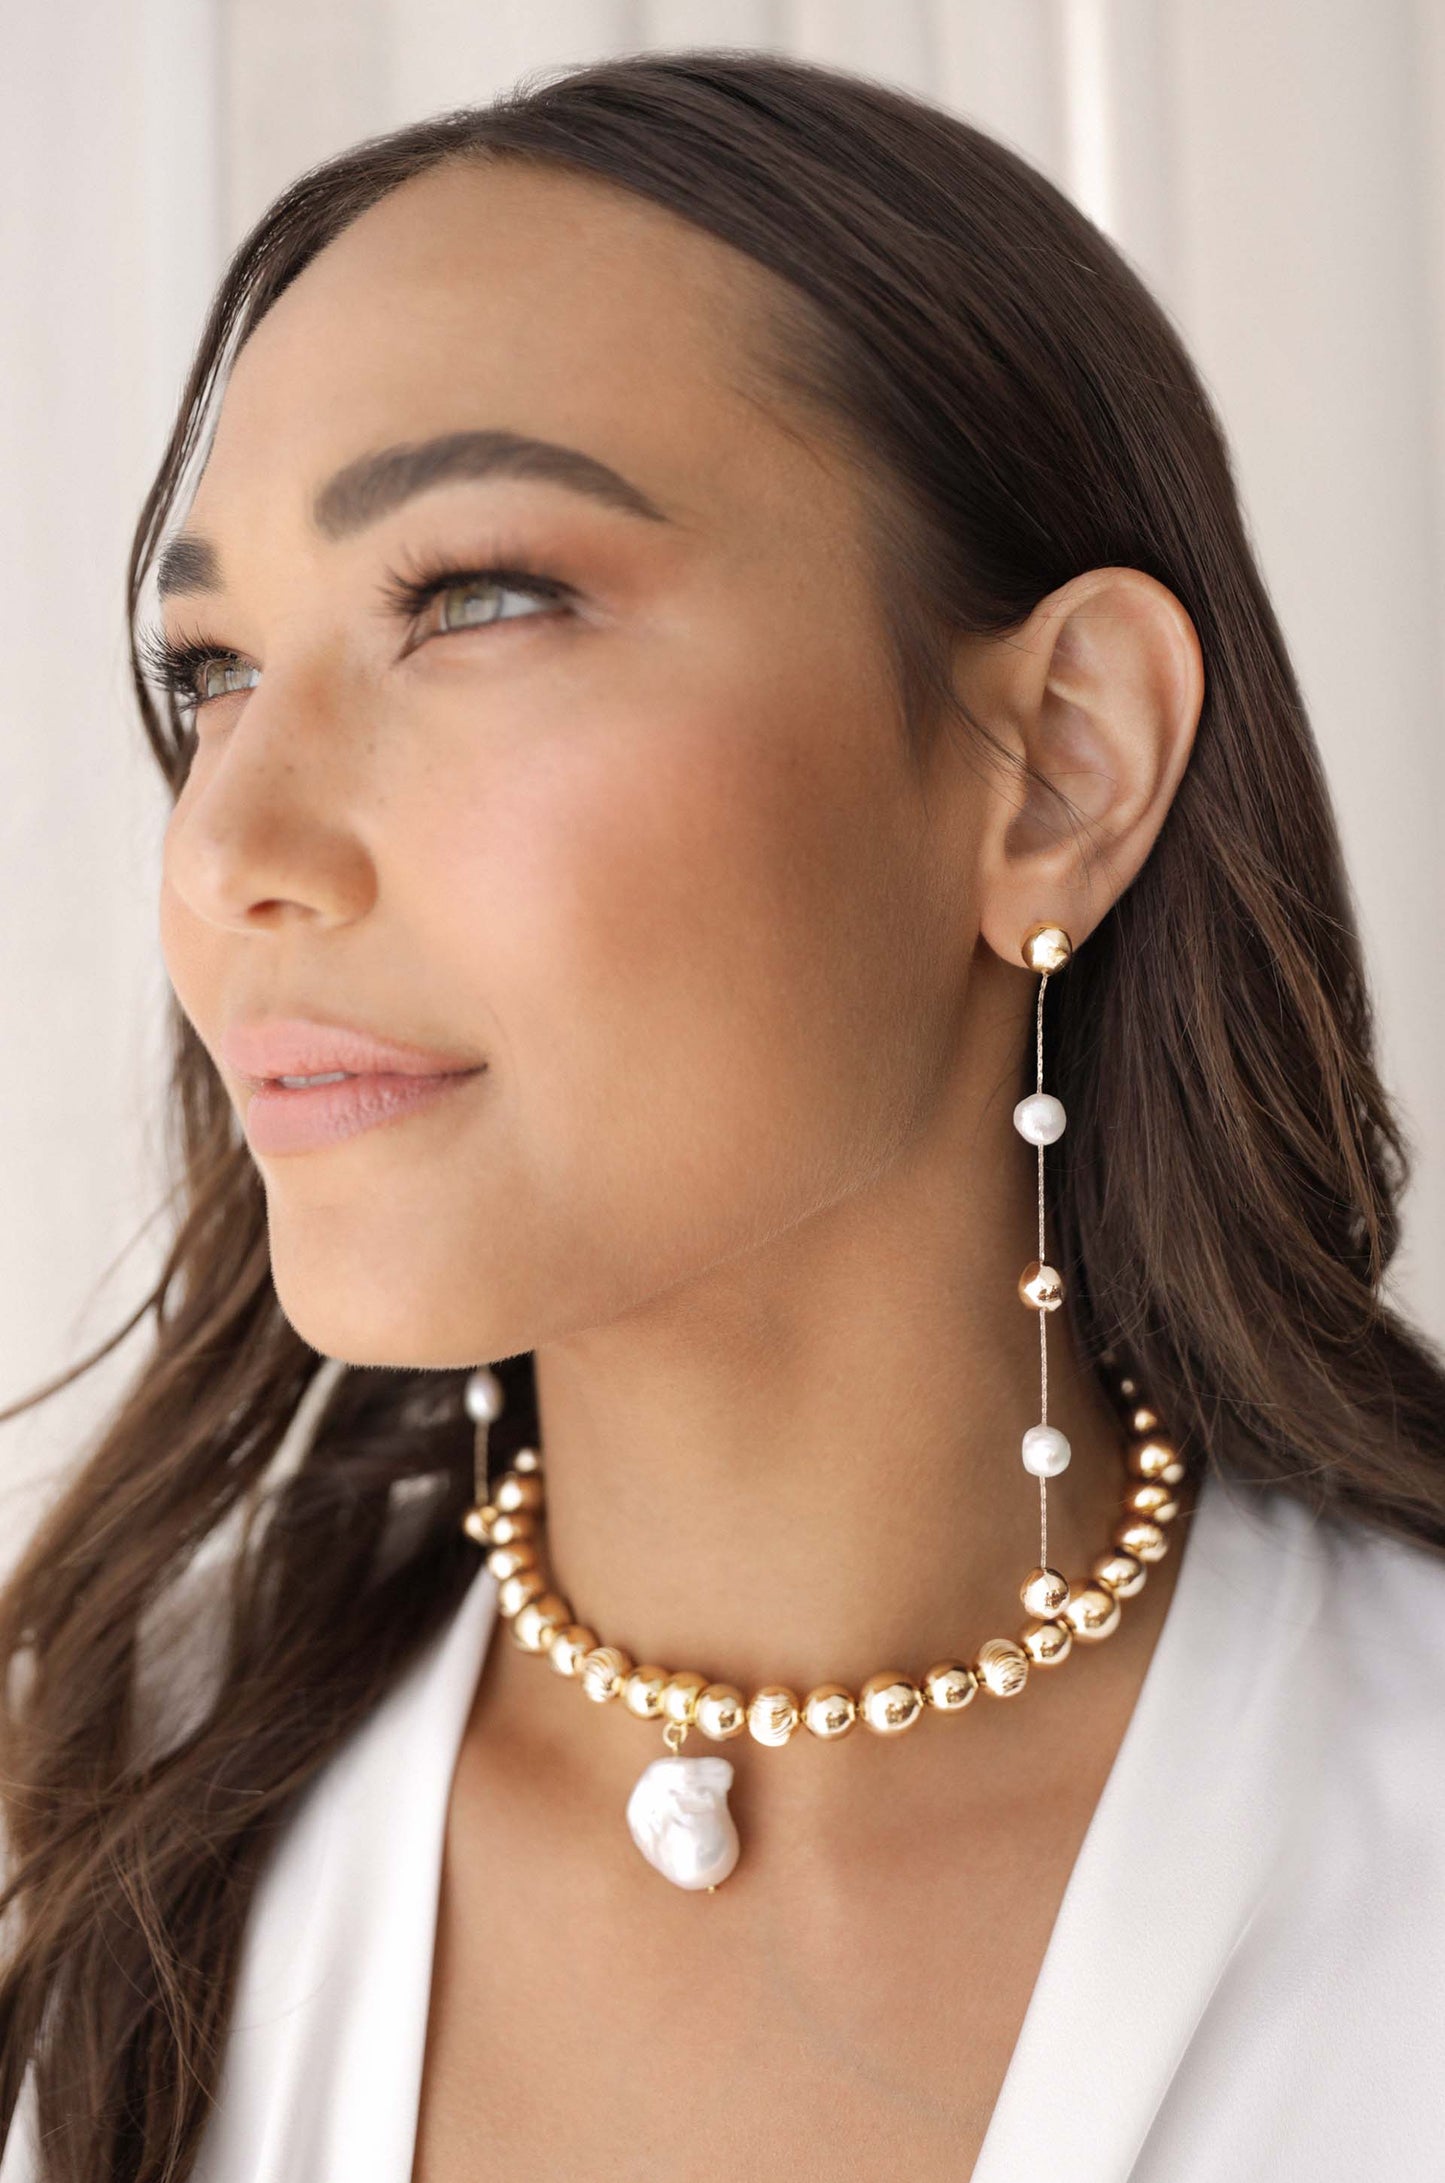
(680, 1695)
(1122, 1573)
(642, 1692)
(1155, 1456)
(536, 1624)
(513, 1593)
(889, 1702)
(604, 1670)
(570, 1647)
(1043, 1592)
(477, 1523)
(1092, 1612)
(1047, 1643)
(829, 1711)
(515, 1490)
(1046, 947)
(1002, 1667)
(506, 1527)
(1128, 1387)
(949, 1686)
(1152, 1498)
(510, 1561)
(1041, 1287)
(1146, 1541)
(721, 1712)
(526, 1459)
(772, 1714)
(1143, 1420)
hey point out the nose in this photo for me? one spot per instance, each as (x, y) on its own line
(264, 833)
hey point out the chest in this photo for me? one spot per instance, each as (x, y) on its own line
(855, 2018)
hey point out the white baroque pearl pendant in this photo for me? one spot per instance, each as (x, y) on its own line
(679, 1818)
(1040, 1118)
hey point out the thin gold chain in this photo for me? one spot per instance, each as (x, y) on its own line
(1043, 1257)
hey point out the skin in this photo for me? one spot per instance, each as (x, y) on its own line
(740, 1170)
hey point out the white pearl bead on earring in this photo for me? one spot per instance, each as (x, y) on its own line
(1040, 1118)
(484, 1397)
(1046, 1451)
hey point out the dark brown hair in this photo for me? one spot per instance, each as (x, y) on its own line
(1225, 1202)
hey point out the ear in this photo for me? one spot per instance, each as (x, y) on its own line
(1099, 691)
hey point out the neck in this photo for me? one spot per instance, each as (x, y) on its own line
(816, 1473)
(805, 1468)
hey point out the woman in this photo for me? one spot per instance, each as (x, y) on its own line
(717, 697)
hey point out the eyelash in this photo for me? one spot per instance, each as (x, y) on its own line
(175, 664)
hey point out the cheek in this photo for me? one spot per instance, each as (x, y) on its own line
(182, 939)
(695, 928)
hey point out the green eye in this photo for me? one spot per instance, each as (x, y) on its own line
(215, 678)
(480, 600)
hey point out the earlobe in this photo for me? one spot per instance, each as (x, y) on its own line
(1097, 697)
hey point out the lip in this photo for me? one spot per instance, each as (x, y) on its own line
(385, 1080)
(283, 1118)
(264, 1047)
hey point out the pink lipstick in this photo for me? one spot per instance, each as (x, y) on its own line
(315, 1084)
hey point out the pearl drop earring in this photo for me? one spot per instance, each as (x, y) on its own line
(1039, 1118)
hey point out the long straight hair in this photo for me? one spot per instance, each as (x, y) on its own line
(1225, 1202)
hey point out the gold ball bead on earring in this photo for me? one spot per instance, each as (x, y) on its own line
(477, 1523)
(829, 1712)
(950, 1686)
(889, 1702)
(721, 1712)
(1043, 1593)
(1092, 1612)
(570, 1647)
(772, 1714)
(1047, 1643)
(1002, 1667)
(1041, 1287)
(1046, 947)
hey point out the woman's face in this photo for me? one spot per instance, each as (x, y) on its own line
(645, 849)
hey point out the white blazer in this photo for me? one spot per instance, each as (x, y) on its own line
(1245, 1982)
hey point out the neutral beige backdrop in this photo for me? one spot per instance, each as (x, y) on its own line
(1276, 168)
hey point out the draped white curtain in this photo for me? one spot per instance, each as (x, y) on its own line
(1275, 168)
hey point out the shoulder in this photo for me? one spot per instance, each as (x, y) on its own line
(1357, 1622)
(1382, 1614)
(1377, 1596)
(1379, 1583)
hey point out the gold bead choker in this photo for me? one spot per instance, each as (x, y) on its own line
(682, 1824)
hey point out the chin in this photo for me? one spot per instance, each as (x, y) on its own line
(397, 1327)
(407, 1323)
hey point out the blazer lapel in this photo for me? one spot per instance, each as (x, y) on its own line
(1179, 1851)
(324, 2058)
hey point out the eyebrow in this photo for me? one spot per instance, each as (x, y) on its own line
(369, 488)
